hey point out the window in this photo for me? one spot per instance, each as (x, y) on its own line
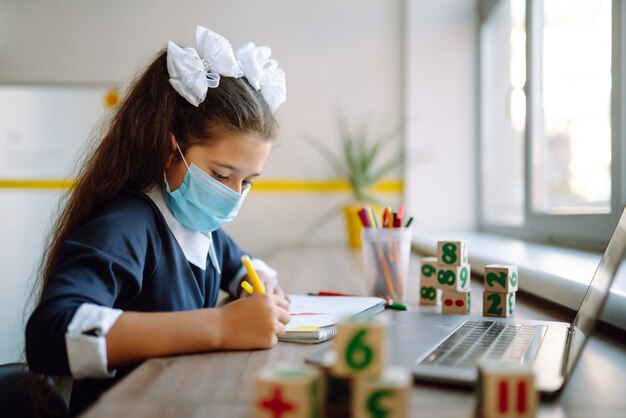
(550, 104)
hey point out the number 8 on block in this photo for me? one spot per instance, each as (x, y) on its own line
(452, 253)
(360, 347)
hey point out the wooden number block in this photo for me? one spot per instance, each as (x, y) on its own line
(452, 253)
(453, 277)
(498, 304)
(360, 347)
(506, 390)
(338, 397)
(501, 278)
(428, 271)
(288, 391)
(455, 302)
(386, 395)
(430, 295)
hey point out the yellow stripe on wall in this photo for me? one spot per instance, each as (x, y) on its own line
(267, 185)
(36, 184)
(323, 186)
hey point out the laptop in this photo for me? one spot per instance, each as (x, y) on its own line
(447, 348)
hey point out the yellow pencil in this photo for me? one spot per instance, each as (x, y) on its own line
(254, 278)
(246, 286)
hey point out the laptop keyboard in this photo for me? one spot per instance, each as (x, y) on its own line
(478, 340)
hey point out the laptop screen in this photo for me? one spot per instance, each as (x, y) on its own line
(596, 295)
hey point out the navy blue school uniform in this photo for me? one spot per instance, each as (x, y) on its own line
(124, 257)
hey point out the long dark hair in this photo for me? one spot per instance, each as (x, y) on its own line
(132, 153)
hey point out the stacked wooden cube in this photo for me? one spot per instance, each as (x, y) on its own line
(506, 390)
(358, 383)
(500, 286)
(430, 294)
(448, 273)
(361, 356)
(288, 390)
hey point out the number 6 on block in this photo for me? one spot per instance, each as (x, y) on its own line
(360, 347)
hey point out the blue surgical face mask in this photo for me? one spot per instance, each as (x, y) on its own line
(202, 203)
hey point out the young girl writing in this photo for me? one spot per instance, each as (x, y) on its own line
(137, 256)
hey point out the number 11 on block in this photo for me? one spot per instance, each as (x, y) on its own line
(506, 390)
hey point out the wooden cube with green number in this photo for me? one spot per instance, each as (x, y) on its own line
(501, 278)
(291, 390)
(386, 395)
(453, 277)
(428, 271)
(452, 253)
(498, 304)
(360, 347)
(430, 295)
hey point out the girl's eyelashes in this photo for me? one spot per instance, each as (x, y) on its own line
(219, 177)
(222, 179)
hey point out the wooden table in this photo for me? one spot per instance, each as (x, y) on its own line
(221, 384)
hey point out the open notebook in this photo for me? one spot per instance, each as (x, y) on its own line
(313, 318)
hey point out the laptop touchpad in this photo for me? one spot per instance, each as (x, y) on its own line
(410, 340)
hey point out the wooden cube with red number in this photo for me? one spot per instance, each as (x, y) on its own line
(288, 391)
(386, 395)
(506, 390)
(455, 302)
(360, 347)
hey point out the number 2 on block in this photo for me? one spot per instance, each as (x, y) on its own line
(498, 278)
(495, 302)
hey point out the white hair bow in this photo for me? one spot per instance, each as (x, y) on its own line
(263, 73)
(192, 72)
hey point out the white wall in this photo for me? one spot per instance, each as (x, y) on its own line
(339, 56)
(440, 100)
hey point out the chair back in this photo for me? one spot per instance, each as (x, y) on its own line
(15, 397)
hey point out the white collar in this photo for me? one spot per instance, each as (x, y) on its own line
(195, 245)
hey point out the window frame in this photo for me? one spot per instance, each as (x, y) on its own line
(587, 230)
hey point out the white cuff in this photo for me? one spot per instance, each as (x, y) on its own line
(85, 342)
(258, 265)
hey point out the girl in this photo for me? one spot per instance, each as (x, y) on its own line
(137, 256)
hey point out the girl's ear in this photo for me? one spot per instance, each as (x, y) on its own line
(173, 151)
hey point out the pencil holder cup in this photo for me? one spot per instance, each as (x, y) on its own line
(386, 253)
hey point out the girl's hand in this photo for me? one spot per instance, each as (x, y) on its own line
(252, 322)
(270, 284)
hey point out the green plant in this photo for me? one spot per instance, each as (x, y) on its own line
(362, 160)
